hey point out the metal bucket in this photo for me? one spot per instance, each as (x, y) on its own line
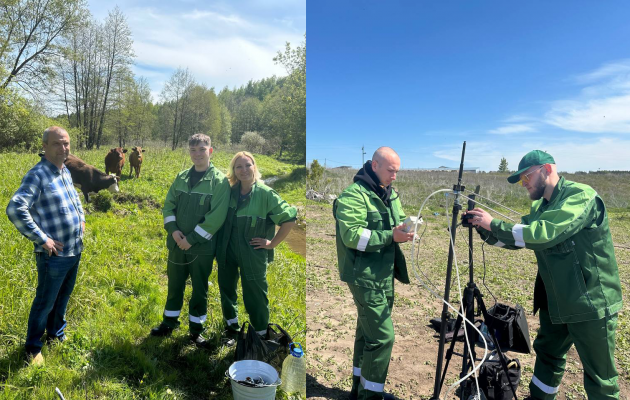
(241, 370)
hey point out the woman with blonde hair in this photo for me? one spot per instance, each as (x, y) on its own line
(246, 244)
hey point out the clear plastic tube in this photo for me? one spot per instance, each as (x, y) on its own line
(416, 270)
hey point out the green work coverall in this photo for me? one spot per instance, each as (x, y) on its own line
(254, 216)
(369, 260)
(577, 290)
(198, 212)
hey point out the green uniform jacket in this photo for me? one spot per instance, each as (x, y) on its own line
(366, 252)
(198, 212)
(576, 260)
(256, 216)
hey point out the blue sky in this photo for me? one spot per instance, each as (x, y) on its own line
(221, 42)
(504, 76)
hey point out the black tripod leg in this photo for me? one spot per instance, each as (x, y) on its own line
(449, 352)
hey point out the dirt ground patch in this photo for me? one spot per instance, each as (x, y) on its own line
(296, 239)
(331, 314)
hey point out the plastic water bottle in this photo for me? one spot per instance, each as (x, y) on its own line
(294, 371)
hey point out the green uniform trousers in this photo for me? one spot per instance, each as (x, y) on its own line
(179, 267)
(254, 293)
(374, 341)
(595, 344)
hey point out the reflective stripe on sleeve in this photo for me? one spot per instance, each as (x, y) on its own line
(203, 233)
(169, 219)
(199, 320)
(169, 313)
(372, 386)
(364, 239)
(517, 232)
(232, 321)
(545, 388)
(499, 244)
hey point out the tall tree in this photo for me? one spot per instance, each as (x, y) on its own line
(29, 31)
(294, 97)
(225, 134)
(177, 92)
(118, 56)
(97, 57)
(503, 165)
(246, 118)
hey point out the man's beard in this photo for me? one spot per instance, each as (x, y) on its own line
(539, 189)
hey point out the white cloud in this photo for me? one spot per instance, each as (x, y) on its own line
(602, 106)
(590, 155)
(571, 154)
(219, 44)
(604, 115)
(610, 71)
(520, 118)
(508, 129)
(213, 16)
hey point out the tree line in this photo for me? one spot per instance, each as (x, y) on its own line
(55, 59)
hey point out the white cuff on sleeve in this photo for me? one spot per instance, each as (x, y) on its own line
(517, 232)
(364, 239)
(203, 233)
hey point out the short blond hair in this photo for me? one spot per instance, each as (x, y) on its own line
(232, 176)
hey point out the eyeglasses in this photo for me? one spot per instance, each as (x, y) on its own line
(526, 177)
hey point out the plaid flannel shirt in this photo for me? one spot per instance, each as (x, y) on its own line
(46, 205)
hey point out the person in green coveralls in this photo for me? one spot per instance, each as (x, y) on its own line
(577, 290)
(246, 244)
(369, 228)
(195, 208)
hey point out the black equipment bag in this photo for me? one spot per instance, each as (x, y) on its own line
(493, 382)
(272, 348)
(510, 328)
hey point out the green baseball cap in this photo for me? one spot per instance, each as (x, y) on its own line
(534, 157)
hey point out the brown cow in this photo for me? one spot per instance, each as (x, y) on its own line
(135, 160)
(87, 178)
(115, 160)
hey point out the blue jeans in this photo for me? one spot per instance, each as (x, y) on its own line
(56, 277)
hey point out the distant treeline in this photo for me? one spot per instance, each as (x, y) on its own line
(605, 172)
(54, 56)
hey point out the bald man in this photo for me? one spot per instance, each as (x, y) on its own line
(369, 229)
(577, 291)
(47, 210)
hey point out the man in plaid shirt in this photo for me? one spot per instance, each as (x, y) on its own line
(47, 210)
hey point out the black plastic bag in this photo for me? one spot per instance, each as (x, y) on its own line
(272, 348)
(510, 327)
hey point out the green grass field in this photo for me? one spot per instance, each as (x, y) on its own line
(120, 295)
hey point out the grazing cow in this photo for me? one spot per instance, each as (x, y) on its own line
(87, 178)
(135, 160)
(115, 160)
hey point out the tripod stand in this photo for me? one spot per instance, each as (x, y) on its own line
(471, 293)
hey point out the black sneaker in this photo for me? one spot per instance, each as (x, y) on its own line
(162, 330)
(199, 340)
(228, 338)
